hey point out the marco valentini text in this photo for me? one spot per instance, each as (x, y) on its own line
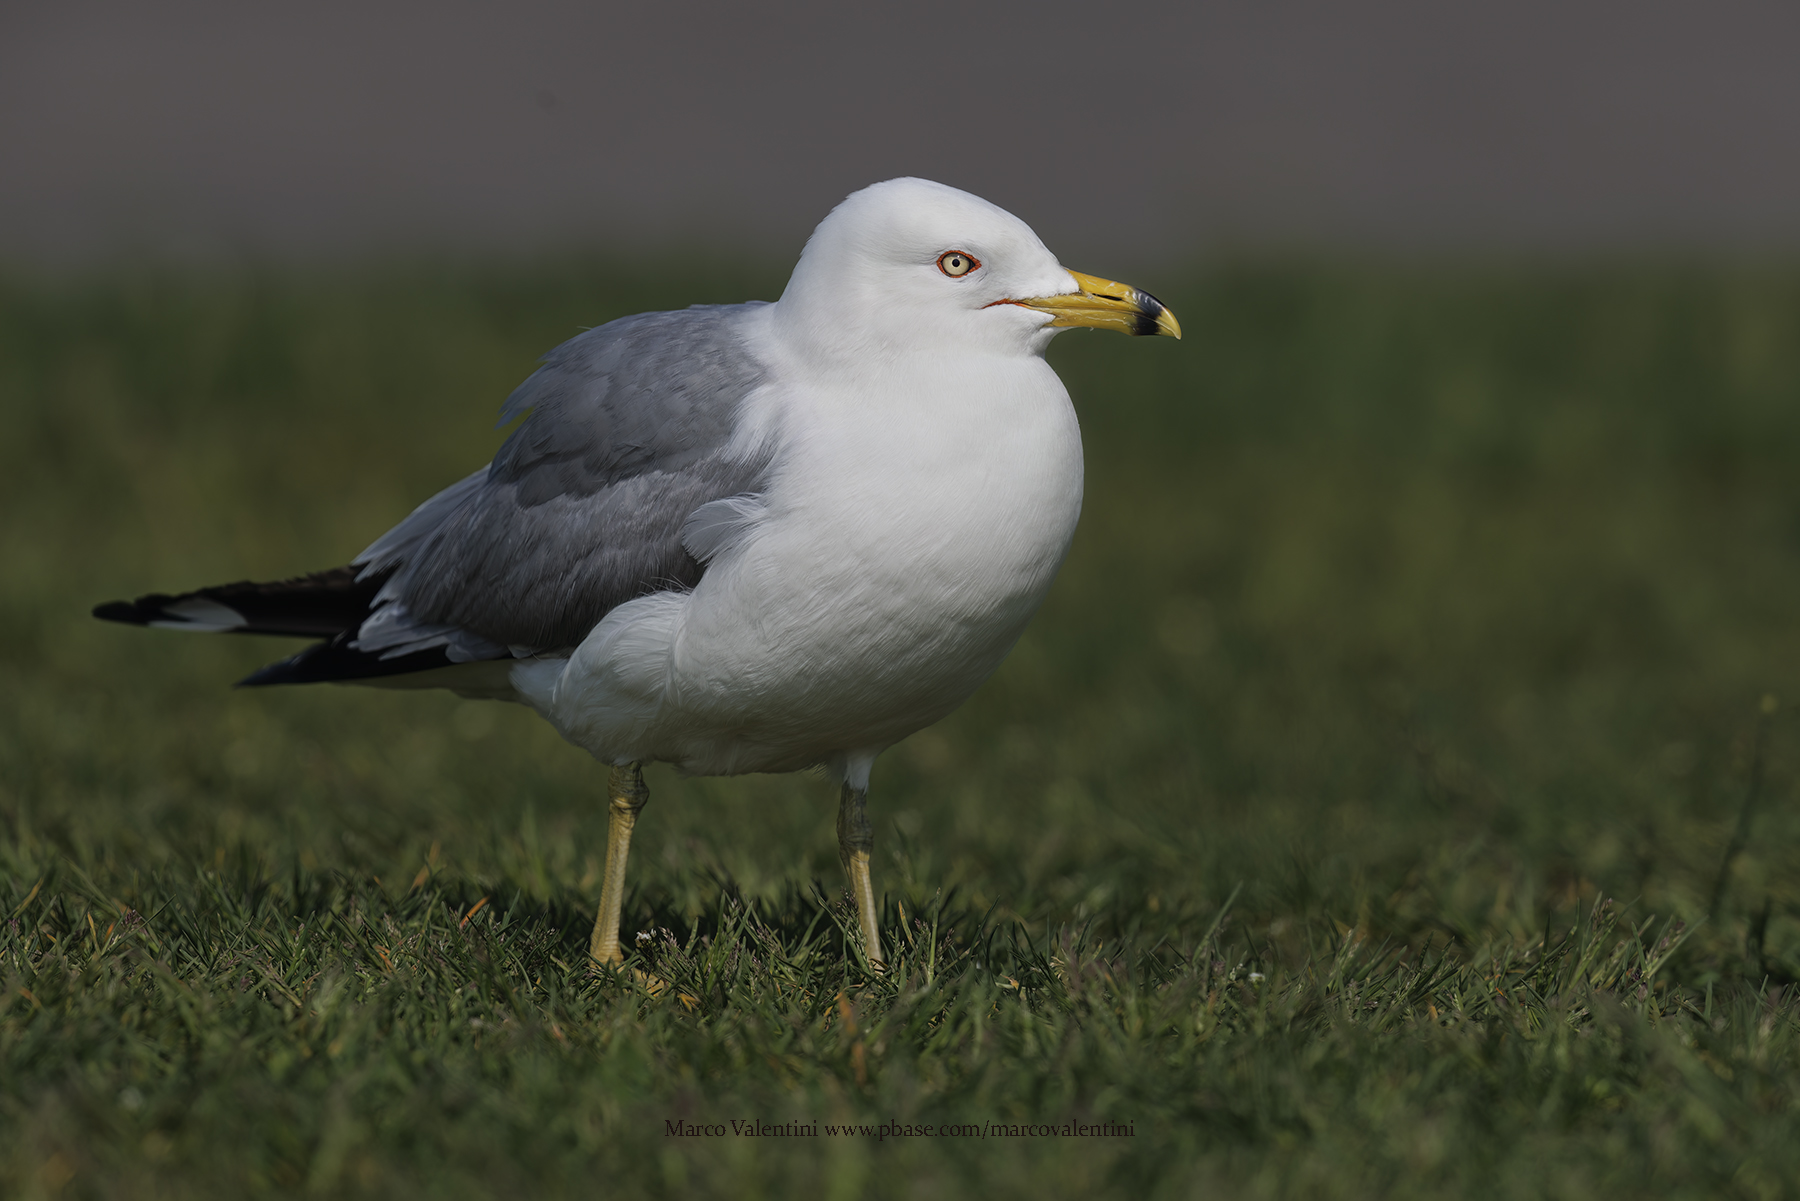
(675, 1128)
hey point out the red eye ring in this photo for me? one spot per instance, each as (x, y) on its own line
(958, 263)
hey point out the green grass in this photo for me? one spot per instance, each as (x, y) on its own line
(1393, 798)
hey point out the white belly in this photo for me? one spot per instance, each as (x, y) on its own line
(907, 543)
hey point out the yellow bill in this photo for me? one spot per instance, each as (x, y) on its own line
(1105, 304)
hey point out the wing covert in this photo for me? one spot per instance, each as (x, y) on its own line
(629, 429)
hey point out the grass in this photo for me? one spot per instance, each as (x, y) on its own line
(1395, 798)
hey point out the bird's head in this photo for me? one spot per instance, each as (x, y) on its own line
(914, 266)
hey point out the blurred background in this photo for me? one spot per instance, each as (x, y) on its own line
(1128, 137)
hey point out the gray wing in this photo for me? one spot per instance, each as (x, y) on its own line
(629, 433)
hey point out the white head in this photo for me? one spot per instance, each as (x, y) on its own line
(914, 266)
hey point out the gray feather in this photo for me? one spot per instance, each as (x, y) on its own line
(397, 544)
(392, 631)
(629, 433)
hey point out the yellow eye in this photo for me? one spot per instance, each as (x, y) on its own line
(956, 263)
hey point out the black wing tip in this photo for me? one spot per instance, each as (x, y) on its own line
(321, 605)
(151, 607)
(281, 672)
(337, 661)
(121, 611)
(310, 666)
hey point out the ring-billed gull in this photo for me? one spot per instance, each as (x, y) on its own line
(748, 538)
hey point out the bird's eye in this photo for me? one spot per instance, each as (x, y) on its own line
(957, 264)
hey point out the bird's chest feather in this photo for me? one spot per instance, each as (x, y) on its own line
(917, 529)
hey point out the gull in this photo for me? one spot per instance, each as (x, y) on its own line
(760, 537)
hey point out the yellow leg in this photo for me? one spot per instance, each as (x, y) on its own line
(856, 838)
(627, 793)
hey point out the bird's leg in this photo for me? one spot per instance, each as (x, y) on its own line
(626, 791)
(856, 838)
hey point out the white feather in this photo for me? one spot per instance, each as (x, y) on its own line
(201, 616)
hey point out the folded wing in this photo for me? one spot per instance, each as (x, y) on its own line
(630, 428)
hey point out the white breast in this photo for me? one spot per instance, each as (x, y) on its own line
(909, 536)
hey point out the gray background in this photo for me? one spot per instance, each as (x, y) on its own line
(1124, 133)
